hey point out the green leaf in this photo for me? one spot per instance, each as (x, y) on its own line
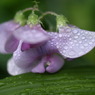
(76, 78)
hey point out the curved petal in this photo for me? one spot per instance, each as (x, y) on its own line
(40, 67)
(8, 43)
(32, 35)
(48, 48)
(56, 63)
(74, 42)
(25, 46)
(24, 59)
(13, 69)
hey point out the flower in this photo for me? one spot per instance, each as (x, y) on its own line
(36, 57)
(36, 50)
(70, 42)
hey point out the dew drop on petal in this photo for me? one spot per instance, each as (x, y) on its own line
(83, 38)
(75, 31)
(71, 53)
(65, 47)
(85, 44)
(82, 47)
(60, 35)
(76, 37)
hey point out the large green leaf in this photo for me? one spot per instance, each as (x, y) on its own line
(74, 79)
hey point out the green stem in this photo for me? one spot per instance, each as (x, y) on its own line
(46, 13)
(30, 9)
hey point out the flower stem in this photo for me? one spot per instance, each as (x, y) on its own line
(46, 13)
(30, 9)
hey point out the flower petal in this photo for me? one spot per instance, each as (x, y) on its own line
(32, 35)
(13, 69)
(56, 63)
(24, 59)
(8, 42)
(74, 42)
(40, 67)
(25, 46)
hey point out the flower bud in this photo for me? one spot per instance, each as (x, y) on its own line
(61, 21)
(20, 18)
(33, 19)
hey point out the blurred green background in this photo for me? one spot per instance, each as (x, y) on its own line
(79, 12)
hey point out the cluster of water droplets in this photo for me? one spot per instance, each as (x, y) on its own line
(73, 42)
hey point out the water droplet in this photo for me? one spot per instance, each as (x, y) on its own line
(71, 47)
(68, 30)
(86, 32)
(63, 51)
(34, 31)
(85, 44)
(80, 42)
(2, 84)
(90, 43)
(27, 89)
(77, 44)
(93, 40)
(83, 38)
(71, 53)
(24, 93)
(65, 47)
(70, 39)
(61, 94)
(58, 46)
(57, 43)
(19, 77)
(60, 35)
(30, 83)
(82, 47)
(75, 31)
(55, 36)
(68, 35)
(75, 41)
(14, 82)
(76, 37)
(71, 42)
(78, 34)
(81, 53)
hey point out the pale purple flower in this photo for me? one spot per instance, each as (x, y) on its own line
(35, 50)
(70, 42)
(29, 43)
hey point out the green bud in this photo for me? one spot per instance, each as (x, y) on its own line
(61, 21)
(33, 19)
(20, 18)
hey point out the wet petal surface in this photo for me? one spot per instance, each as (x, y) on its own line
(13, 69)
(24, 59)
(8, 42)
(74, 42)
(32, 35)
(40, 67)
(56, 63)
